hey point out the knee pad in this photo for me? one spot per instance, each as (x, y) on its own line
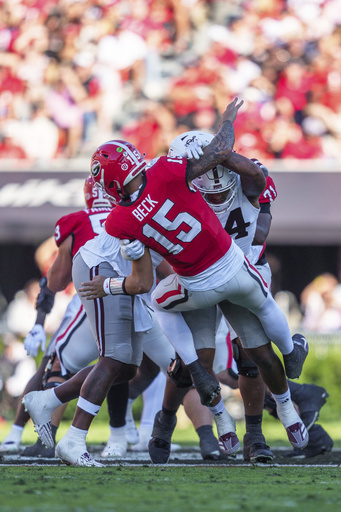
(247, 368)
(49, 374)
(179, 374)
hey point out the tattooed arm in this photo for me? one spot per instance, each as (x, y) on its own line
(220, 149)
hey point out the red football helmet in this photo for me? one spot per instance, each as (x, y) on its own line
(94, 197)
(113, 165)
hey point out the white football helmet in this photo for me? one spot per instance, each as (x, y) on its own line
(219, 185)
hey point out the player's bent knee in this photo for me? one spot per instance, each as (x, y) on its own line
(179, 374)
(53, 376)
(247, 368)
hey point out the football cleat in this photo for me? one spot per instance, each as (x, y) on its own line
(9, 447)
(75, 454)
(206, 385)
(115, 447)
(309, 398)
(294, 426)
(38, 406)
(38, 450)
(209, 447)
(229, 443)
(293, 362)
(319, 443)
(159, 446)
(255, 449)
(144, 434)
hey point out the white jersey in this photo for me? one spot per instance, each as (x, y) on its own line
(106, 248)
(240, 221)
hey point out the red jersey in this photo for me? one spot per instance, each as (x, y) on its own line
(82, 225)
(269, 194)
(172, 219)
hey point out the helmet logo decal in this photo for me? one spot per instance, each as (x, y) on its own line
(124, 167)
(95, 168)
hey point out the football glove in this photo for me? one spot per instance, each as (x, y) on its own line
(36, 338)
(194, 150)
(262, 166)
(132, 250)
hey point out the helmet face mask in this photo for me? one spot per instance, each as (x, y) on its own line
(93, 195)
(219, 185)
(113, 165)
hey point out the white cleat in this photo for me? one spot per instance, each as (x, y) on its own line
(37, 404)
(9, 447)
(144, 433)
(294, 426)
(75, 454)
(115, 448)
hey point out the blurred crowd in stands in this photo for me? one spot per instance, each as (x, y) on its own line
(74, 73)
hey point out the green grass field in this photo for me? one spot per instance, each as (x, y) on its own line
(184, 489)
(169, 489)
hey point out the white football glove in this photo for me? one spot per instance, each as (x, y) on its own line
(132, 250)
(36, 338)
(194, 149)
(262, 166)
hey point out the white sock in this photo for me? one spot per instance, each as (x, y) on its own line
(224, 421)
(15, 434)
(76, 434)
(179, 335)
(282, 399)
(55, 402)
(117, 433)
(216, 410)
(129, 413)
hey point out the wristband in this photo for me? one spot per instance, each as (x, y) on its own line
(106, 286)
(117, 286)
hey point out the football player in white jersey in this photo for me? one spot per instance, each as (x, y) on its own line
(239, 214)
(248, 221)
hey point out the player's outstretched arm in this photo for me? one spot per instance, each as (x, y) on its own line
(139, 281)
(221, 146)
(252, 176)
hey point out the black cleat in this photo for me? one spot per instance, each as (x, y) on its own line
(209, 445)
(319, 443)
(38, 450)
(255, 449)
(293, 362)
(206, 385)
(159, 446)
(309, 398)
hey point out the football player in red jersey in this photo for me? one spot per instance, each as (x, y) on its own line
(164, 211)
(71, 232)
